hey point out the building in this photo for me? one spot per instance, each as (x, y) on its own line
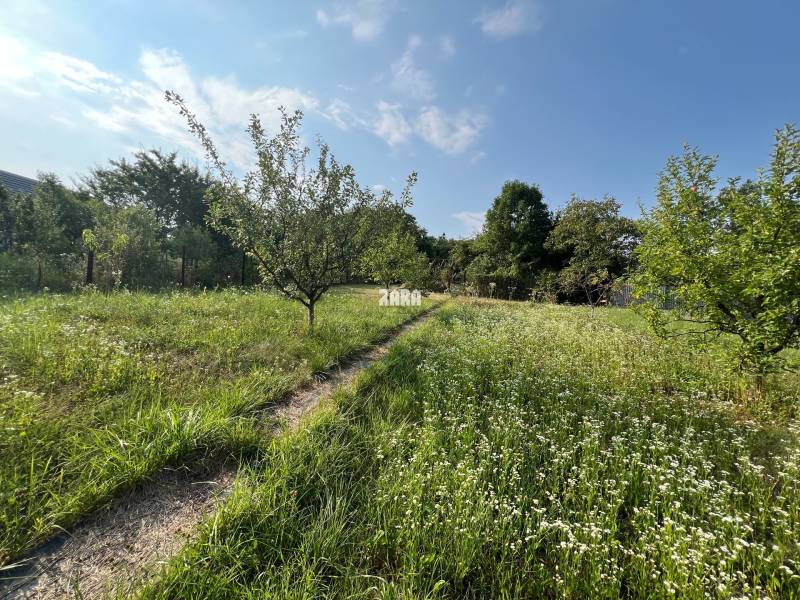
(16, 184)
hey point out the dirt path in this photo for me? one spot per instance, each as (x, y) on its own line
(117, 547)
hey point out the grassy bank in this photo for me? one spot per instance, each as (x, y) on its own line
(517, 452)
(98, 392)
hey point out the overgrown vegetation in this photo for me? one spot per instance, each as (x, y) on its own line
(98, 392)
(501, 451)
(731, 257)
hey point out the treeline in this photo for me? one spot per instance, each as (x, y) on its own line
(142, 223)
(525, 250)
(139, 224)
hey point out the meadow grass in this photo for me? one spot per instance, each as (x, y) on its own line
(98, 392)
(516, 451)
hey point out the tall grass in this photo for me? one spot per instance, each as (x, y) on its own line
(517, 453)
(97, 393)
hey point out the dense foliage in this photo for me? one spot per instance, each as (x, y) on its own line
(135, 224)
(306, 227)
(512, 242)
(599, 243)
(732, 257)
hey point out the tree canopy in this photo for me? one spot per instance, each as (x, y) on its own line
(305, 226)
(731, 257)
(600, 243)
(516, 227)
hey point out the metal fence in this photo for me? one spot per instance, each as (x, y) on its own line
(623, 296)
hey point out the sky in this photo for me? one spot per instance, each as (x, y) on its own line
(579, 97)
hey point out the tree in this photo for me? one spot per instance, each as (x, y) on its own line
(6, 219)
(461, 255)
(192, 243)
(732, 258)
(125, 242)
(47, 224)
(304, 226)
(173, 191)
(393, 251)
(601, 243)
(515, 230)
(394, 257)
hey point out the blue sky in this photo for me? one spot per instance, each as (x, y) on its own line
(579, 97)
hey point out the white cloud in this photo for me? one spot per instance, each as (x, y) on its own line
(135, 107)
(514, 18)
(232, 105)
(473, 221)
(447, 46)
(450, 133)
(63, 121)
(14, 63)
(342, 115)
(166, 69)
(391, 125)
(79, 75)
(365, 18)
(111, 121)
(477, 157)
(408, 78)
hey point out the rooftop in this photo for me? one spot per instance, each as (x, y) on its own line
(16, 183)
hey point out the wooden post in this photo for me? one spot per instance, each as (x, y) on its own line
(89, 268)
(183, 267)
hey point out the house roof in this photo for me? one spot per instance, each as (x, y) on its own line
(16, 183)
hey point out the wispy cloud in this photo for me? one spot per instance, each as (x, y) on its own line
(365, 18)
(133, 108)
(343, 115)
(63, 121)
(451, 134)
(513, 18)
(13, 60)
(472, 221)
(408, 78)
(79, 75)
(391, 125)
(477, 157)
(447, 46)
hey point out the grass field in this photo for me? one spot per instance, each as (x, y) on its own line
(97, 393)
(518, 451)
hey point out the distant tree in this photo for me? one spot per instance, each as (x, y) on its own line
(392, 252)
(516, 227)
(461, 255)
(394, 257)
(305, 226)
(125, 242)
(47, 224)
(172, 190)
(732, 258)
(6, 219)
(600, 242)
(545, 286)
(191, 243)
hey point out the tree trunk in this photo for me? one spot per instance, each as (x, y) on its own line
(310, 308)
(183, 267)
(244, 264)
(39, 275)
(89, 268)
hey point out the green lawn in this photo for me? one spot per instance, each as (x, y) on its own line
(518, 451)
(98, 392)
